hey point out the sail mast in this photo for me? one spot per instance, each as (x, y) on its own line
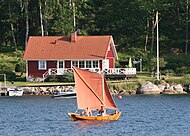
(103, 90)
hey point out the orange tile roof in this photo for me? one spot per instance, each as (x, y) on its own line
(61, 48)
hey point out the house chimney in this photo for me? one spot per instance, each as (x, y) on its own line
(74, 36)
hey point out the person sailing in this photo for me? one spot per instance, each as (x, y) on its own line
(87, 112)
(102, 111)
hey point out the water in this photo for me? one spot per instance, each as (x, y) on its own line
(142, 115)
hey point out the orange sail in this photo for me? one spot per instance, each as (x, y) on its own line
(92, 90)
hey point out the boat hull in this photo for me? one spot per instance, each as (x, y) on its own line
(14, 92)
(65, 95)
(108, 117)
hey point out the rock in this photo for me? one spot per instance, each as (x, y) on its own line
(149, 88)
(132, 92)
(174, 89)
(162, 86)
(178, 88)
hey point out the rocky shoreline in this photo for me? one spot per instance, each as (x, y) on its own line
(146, 88)
(164, 88)
(45, 90)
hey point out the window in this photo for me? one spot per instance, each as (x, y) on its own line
(95, 64)
(81, 64)
(75, 63)
(88, 64)
(60, 64)
(42, 65)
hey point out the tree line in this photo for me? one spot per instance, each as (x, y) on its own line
(131, 22)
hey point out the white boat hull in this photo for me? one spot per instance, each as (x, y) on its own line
(15, 92)
(65, 95)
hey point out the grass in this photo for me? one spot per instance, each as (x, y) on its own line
(36, 83)
(130, 84)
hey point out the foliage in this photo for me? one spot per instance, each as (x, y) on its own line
(153, 63)
(123, 86)
(185, 80)
(7, 67)
(183, 70)
(68, 77)
(130, 22)
(167, 72)
(10, 64)
(178, 63)
(125, 20)
(20, 66)
(59, 17)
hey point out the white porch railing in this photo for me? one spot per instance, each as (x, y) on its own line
(120, 71)
(110, 71)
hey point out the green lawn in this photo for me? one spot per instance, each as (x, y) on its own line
(138, 79)
(35, 83)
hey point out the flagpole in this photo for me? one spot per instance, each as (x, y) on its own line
(158, 70)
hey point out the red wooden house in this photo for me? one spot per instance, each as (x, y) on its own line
(47, 55)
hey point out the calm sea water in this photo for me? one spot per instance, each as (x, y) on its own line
(143, 115)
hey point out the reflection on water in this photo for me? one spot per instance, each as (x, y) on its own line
(87, 123)
(141, 115)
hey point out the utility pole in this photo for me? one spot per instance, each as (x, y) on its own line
(158, 70)
(187, 27)
(5, 80)
(140, 64)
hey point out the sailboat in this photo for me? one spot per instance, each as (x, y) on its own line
(93, 93)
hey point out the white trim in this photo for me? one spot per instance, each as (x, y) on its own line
(26, 70)
(109, 47)
(113, 60)
(90, 63)
(113, 48)
(85, 63)
(60, 71)
(98, 64)
(44, 64)
(82, 61)
(105, 64)
(58, 63)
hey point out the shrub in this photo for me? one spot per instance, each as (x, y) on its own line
(10, 76)
(167, 72)
(185, 80)
(183, 70)
(68, 77)
(173, 81)
(20, 66)
(178, 63)
(123, 86)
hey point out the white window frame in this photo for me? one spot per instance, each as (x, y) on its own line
(75, 62)
(40, 65)
(81, 64)
(90, 63)
(59, 62)
(95, 64)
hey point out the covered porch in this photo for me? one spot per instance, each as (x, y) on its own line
(127, 72)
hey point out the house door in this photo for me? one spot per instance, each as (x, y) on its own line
(105, 64)
(60, 67)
